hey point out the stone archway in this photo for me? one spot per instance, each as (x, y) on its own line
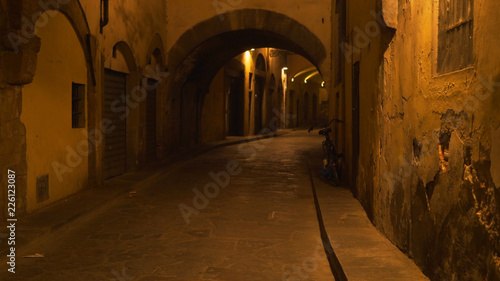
(20, 58)
(201, 51)
(54, 113)
(156, 49)
(127, 54)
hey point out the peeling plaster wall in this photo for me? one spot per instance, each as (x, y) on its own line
(428, 174)
(495, 156)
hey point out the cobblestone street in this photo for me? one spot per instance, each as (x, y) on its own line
(261, 226)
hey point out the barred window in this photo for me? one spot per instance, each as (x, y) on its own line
(455, 48)
(78, 105)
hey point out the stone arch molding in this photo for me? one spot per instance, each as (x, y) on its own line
(127, 54)
(35, 14)
(32, 15)
(156, 49)
(273, 29)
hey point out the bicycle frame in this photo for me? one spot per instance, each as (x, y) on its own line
(332, 162)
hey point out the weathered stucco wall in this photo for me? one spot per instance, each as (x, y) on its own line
(428, 140)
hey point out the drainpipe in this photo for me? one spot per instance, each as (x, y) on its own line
(104, 14)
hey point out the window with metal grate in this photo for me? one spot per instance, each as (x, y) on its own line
(455, 36)
(78, 105)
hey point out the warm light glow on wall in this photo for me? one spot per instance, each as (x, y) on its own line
(311, 76)
(305, 71)
(284, 78)
(284, 83)
(247, 58)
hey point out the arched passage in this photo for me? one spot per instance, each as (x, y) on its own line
(74, 13)
(199, 53)
(16, 18)
(55, 115)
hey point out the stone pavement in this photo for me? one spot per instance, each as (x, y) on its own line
(40, 225)
(260, 224)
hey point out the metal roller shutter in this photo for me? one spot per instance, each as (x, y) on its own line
(115, 141)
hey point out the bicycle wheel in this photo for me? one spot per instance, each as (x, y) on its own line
(338, 167)
(331, 158)
(335, 176)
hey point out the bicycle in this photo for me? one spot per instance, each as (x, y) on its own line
(332, 163)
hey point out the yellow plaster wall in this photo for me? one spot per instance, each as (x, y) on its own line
(47, 113)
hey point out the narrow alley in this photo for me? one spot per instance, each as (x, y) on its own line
(250, 140)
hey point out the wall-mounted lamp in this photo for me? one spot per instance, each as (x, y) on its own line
(252, 49)
(305, 81)
(323, 84)
(293, 79)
